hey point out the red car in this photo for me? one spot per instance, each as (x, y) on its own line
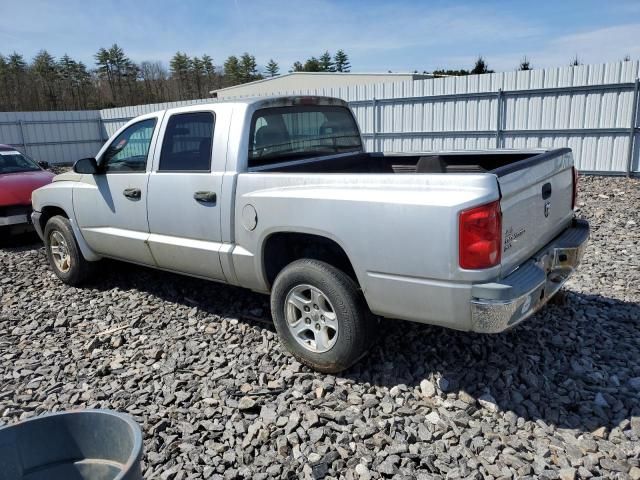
(19, 176)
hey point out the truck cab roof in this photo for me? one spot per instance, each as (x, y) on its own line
(267, 102)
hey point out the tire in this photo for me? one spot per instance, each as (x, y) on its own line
(344, 309)
(59, 242)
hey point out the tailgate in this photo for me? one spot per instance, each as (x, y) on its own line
(536, 202)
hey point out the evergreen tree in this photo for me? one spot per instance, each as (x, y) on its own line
(232, 70)
(312, 65)
(326, 64)
(272, 68)
(210, 76)
(248, 68)
(180, 67)
(121, 73)
(575, 61)
(46, 75)
(104, 68)
(75, 81)
(297, 67)
(455, 73)
(525, 64)
(341, 62)
(199, 75)
(4, 84)
(16, 80)
(480, 67)
(208, 66)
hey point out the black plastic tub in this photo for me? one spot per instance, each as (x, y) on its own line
(77, 445)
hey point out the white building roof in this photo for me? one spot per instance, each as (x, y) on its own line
(302, 80)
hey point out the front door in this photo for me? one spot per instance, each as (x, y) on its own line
(111, 206)
(184, 196)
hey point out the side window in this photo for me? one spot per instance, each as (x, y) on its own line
(129, 151)
(187, 143)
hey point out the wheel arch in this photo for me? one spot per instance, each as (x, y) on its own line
(50, 211)
(281, 248)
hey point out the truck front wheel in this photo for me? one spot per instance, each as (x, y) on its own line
(63, 252)
(320, 315)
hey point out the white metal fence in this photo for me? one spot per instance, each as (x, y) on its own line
(56, 137)
(592, 109)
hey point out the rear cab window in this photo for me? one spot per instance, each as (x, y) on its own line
(282, 134)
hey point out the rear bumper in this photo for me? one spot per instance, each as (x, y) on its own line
(500, 305)
(16, 219)
(15, 215)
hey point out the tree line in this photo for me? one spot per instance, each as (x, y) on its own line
(114, 80)
(49, 83)
(481, 66)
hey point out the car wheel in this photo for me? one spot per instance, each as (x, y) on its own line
(320, 315)
(63, 252)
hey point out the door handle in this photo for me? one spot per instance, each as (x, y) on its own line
(205, 197)
(546, 191)
(132, 193)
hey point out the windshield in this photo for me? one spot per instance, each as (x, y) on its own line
(291, 133)
(13, 162)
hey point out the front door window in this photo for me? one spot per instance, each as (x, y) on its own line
(129, 151)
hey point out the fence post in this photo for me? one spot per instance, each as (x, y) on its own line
(632, 128)
(374, 104)
(24, 142)
(102, 130)
(499, 119)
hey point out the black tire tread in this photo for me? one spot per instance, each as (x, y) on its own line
(336, 284)
(81, 269)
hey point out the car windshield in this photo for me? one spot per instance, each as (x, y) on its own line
(290, 133)
(13, 162)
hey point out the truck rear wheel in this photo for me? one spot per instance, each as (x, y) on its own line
(320, 315)
(63, 252)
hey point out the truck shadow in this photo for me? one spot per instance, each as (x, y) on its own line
(19, 242)
(568, 366)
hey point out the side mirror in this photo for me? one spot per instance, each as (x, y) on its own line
(44, 164)
(86, 165)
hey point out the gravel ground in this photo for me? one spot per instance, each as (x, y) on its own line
(200, 368)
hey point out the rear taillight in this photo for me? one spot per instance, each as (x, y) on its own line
(480, 236)
(575, 188)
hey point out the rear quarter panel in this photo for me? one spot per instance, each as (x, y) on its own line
(399, 231)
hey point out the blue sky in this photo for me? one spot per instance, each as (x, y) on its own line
(400, 36)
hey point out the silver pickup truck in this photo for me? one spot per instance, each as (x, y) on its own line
(278, 195)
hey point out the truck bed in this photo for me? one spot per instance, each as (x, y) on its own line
(535, 188)
(441, 162)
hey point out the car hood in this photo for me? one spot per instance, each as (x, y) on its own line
(16, 188)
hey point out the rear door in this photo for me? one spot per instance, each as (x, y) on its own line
(536, 203)
(184, 196)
